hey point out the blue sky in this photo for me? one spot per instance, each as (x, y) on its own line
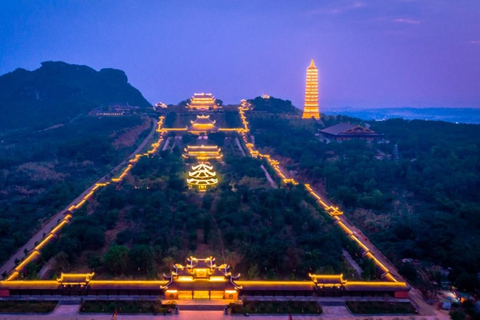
(380, 53)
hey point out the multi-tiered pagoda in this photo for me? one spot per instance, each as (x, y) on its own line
(202, 177)
(311, 109)
(202, 102)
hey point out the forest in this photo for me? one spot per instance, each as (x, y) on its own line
(423, 207)
(41, 171)
(152, 221)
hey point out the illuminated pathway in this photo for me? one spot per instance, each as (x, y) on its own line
(53, 227)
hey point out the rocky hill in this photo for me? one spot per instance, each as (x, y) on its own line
(57, 92)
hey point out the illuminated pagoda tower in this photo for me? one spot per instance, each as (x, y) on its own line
(311, 109)
(202, 125)
(202, 177)
(202, 102)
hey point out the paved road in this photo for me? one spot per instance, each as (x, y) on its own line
(352, 262)
(269, 178)
(340, 313)
(165, 146)
(240, 146)
(50, 224)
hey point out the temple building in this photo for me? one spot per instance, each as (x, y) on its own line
(203, 102)
(347, 131)
(245, 104)
(311, 109)
(201, 279)
(202, 177)
(203, 153)
(202, 125)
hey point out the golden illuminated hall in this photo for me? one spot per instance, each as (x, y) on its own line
(311, 108)
(202, 102)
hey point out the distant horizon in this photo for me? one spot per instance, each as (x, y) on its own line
(329, 108)
(370, 53)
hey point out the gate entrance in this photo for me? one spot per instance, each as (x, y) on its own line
(203, 295)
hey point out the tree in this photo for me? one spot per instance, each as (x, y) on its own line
(93, 261)
(116, 259)
(233, 258)
(368, 269)
(457, 315)
(253, 271)
(142, 259)
(467, 282)
(60, 262)
(408, 271)
(169, 261)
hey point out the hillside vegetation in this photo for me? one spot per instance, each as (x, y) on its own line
(50, 150)
(425, 206)
(57, 92)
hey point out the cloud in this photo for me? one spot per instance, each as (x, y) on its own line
(406, 21)
(475, 42)
(337, 10)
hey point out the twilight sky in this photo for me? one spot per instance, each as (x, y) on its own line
(370, 53)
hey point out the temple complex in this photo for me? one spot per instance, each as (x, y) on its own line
(347, 131)
(201, 177)
(202, 153)
(311, 109)
(202, 102)
(202, 125)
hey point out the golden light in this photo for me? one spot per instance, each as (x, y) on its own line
(203, 153)
(185, 278)
(202, 177)
(203, 102)
(202, 125)
(311, 110)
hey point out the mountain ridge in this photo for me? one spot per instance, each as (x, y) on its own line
(58, 91)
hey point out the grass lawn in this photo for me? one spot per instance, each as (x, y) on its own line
(293, 307)
(27, 306)
(106, 306)
(379, 307)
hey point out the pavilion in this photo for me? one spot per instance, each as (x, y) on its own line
(202, 125)
(347, 131)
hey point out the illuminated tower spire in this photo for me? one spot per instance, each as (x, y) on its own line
(311, 110)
